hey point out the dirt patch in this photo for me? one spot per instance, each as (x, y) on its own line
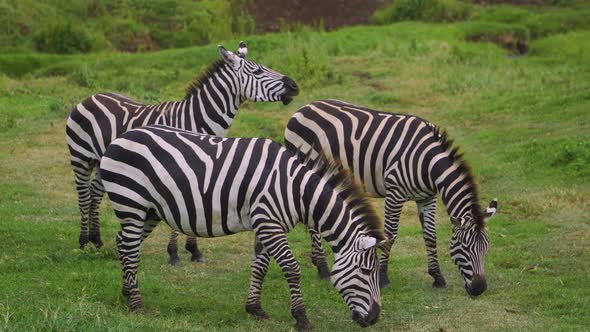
(507, 41)
(269, 15)
(512, 2)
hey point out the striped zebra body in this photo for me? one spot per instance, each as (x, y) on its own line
(210, 105)
(400, 157)
(210, 186)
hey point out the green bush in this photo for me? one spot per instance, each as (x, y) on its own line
(423, 10)
(127, 25)
(573, 155)
(62, 38)
(128, 35)
(85, 76)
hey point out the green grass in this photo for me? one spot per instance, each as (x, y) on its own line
(522, 122)
(66, 26)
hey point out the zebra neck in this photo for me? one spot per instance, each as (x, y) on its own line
(212, 104)
(326, 212)
(454, 183)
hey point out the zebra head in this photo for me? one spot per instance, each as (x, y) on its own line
(355, 276)
(256, 82)
(469, 244)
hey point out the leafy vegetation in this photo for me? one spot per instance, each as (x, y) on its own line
(423, 10)
(522, 123)
(62, 38)
(127, 25)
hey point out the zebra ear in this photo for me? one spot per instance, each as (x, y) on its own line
(456, 222)
(367, 242)
(490, 210)
(242, 50)
(228, 57)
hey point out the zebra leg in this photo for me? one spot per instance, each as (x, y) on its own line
(191, 246)
(172, 249)
(393, 208)
(274, 240)
(128, 242)
(82, 171)
(97, 192)
(426, 213)
(260, 264)
(318, 257)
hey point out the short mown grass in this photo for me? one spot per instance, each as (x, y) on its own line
(522, 122)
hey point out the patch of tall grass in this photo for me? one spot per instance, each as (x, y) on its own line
(422, 10)
(125, 25)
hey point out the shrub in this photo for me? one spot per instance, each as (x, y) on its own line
(62, 38)
(574, 155)
(128, 35)
(85, 76)
(423, 10)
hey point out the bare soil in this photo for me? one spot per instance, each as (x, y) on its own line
(269, 15)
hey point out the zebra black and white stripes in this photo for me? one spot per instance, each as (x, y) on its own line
(210, 186)
(211, 102)
(400, 157)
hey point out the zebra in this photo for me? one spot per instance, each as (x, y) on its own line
(400, 157)
(211, 102)
(211, 186)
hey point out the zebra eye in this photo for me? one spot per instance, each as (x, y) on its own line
(257, 71)
(366, 271)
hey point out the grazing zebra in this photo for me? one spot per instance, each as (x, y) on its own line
(211, 102)
(400, 157)
(212, 186)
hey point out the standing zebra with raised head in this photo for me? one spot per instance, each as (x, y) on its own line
(211, 186)
(400, 157)
(211, 102)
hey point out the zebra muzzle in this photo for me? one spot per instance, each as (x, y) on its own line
(478, 285)
(286, 99)
(371, 317)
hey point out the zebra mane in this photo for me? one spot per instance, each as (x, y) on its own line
(344, 183)
(197, 83)
(463, 167)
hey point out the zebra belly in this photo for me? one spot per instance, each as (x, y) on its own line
(214, 225)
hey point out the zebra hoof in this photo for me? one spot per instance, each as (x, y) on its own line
(83, 241)
(256, 311)
(303, 325)
(174, 261)
(136, 305)
(198, 259)
(97, 243)
(439, 283)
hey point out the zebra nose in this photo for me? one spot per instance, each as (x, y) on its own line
(478, 285)
(291, 85)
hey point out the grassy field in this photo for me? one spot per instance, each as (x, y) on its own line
(522, 121)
